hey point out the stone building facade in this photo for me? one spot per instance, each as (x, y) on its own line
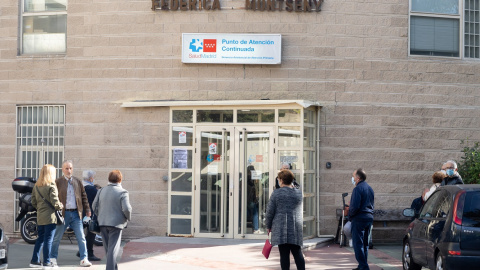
(382, 100)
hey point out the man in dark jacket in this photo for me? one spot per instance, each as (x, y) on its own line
(91, 190)
(361, 216)
(453, 178)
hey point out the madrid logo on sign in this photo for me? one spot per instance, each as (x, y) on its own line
(203, 45)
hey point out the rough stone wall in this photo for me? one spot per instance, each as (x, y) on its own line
(397, 116)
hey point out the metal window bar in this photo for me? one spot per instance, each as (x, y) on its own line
(40, 140)
(472, 27)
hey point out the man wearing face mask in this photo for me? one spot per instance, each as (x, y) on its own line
(361, 216)
(453, 178)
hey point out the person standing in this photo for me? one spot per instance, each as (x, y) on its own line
(113, 210)
(91, 190)
(46, 219)
(361, 216)
(72, 195)
(284, 217)
(453, 177)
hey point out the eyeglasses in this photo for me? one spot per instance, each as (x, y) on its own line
(449, 168)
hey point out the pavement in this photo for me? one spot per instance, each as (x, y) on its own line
(201, 253)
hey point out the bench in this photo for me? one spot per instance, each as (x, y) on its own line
(389, 225)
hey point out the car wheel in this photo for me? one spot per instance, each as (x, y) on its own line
(407, 260)
(439, 262)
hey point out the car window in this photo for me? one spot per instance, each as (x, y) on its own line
(471, 210)
(427, 210)
(442, 205)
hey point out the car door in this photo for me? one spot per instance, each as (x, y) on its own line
(470, 232)
(436, 224)
(419, 231)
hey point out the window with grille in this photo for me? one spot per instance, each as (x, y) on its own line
(40, 140)
(472, 25)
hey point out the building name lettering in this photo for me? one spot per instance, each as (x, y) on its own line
(260, 5)
(288, 5)
(185, 4)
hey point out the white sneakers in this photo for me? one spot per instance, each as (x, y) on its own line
(85, 263)
(258, 232)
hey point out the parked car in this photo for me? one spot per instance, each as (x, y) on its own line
(3, 249)
(445, 234)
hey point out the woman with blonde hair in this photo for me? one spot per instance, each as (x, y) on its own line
(46, 219)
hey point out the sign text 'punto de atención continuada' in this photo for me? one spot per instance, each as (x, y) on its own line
(260, 5)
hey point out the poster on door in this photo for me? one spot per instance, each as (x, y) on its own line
(182, 137)
(212, 148)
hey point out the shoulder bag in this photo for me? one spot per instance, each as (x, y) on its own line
(58, 213)
(93, 224)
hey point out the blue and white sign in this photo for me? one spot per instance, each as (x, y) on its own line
(261, 49)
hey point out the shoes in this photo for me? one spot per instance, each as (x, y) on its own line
(94, 258)
(49, 265)
(35, 264)
(258, 232)
(53, 260)
(85, 263)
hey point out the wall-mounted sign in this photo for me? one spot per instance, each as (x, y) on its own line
(232, 48)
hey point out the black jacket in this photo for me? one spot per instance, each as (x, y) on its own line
(455, 180)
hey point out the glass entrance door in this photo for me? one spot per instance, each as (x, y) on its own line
(227, 204)
(254, 169)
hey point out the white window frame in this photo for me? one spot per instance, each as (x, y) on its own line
(459, 17)
(23, 14)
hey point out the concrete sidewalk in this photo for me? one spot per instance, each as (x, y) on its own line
(201, 253)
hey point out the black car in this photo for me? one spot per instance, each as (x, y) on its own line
(446, 232)
(3, 249)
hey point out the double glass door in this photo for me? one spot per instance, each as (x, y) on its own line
(234, 177)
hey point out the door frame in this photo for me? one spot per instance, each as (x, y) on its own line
(236, 213)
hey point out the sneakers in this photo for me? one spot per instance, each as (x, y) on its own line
(258, 232)
(85, 263)
(35, 265)
(53, 260)
(49, 265)
(94, 258)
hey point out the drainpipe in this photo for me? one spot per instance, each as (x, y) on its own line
(317, 145)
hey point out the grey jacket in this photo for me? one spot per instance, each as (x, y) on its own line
(285, 216)
(112, 206)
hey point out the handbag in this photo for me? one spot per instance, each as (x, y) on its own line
(267, 247)
(58, 213)
(93, 223)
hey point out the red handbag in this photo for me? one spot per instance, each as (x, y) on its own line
(267, 247)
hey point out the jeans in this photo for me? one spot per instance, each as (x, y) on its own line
(296, 250)
(253, 209)
(360, 232)
(111, 237)
(72, 220)
(45, 239)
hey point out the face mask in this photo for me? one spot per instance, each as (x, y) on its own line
(353, 181)
(449, 172)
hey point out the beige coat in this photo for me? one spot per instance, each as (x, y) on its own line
(45, 214)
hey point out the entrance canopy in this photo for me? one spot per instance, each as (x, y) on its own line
(182, 103)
